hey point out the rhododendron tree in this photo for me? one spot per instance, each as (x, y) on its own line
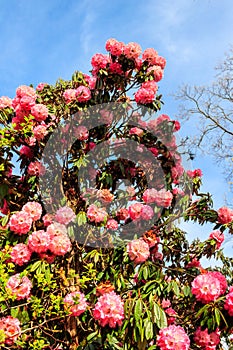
(92, 186)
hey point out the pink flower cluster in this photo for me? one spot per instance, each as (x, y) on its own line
(96, 214)
(207, 341)
(81, 132)
(5, 102)
(24, 101)
(64, 215)
(76, 302)
(162, 198)
(19, 286)
(228, 305)
(21, 221)
(20, 254)
(109, 310)
(218, 236)
(209, 286)
(140, 211)
(194, 173)
(225, 215)
(105, 196)
(11, 328)
(36, 169)
(173, 337)
(81, 94)
(138, 251)
(59, 241)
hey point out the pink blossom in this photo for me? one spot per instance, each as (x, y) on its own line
(160, 61)
(33, 209)
(122, 214)
(83, 94)
(147, 212)
(157, 72)
(96, 214)
(39, 112)
(165, 303)
(136, 131)
(205, 340)
(11, 329)
(151, 85)
(26, 151)
(60, 245)
(116, 68)
(154, 150)
(25, 90)
(19, 286)
(144, 96)
(40, 131)
(114, 47)
(41, 86)
(194, 173)
(112, 224)
(91, 81)
(76, 302)
(173, 338)
(20, 223)
(69, 95)
(176, 125)
(5, 102)
(132, 50)
(135, 211)
(56, 229)
(109, 310)
(36, 169)
(106, 116)
(218, 236)
(5, 208)
(225, 215)
(20, 254)
(99, 61)
(193, 263)
(65, 215)
(150, 56)
(206, 288)
(39, 241)
(81, 132)
(228, 305)
(138, 251)
(150, 195)
(105, 196)
(162, 198)
(48, 219)
(26, 103)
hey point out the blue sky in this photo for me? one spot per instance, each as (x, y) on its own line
(42, 40)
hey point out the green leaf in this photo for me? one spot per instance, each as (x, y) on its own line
(217, 316)
(35, 266)
(14, 312)
(138, 309)
(148, 329)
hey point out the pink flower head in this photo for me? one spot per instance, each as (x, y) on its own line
(105, 196)
(5, 102)
(48, 219)
(151, 85)
(96, 214)
(99, 61)
(136, 131)
(173, 338)
(65, 215)
(225, 215)
(20, 222)
(40, 131)
(205, 340)
(114, 47)
(33, 209)
(106, 116)
(132, 50)
(165, 303)
(36, 169)
(116, 68)
(69, 95)
(144, 96)
(41, 86)
(81, 132)
(25, 90)
(11, 329)
(162, 198)
(109, 310)
(177, 126)
(222, 280)
(26, 151)
(193, 263)
(122, 214)
(60, 245)
(218, 236)
(39, 112)
(150, 56)
(194, 173)
(39, 241)
(160, 61)
(135, 211)
(76, 302)
(228, 305)
(26, 103)
(20, 254)
(112, 224)
(206, 287)
(19, 286)
(138, 251)
(56, 229)
(157, 72)
(147, 212)
(83, 94)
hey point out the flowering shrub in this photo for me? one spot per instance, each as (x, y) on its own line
(91, 262)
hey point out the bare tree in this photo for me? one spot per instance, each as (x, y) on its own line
(210, 110)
